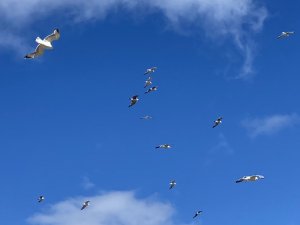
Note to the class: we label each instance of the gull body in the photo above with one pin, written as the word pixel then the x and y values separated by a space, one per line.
pixel 151 89
pixel 172 184
pixel 217 122
pixel 46 43
pixel 150 70
pixel 148 82
pixel 164 146
pixel 146 117
pixel 249 178
pixel 85 204
pixel 197 214
pixel 41 198
pixel 133 100
pixel 285 34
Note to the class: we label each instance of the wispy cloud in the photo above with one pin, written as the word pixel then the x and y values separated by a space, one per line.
pixel 221 147
pixel 271 124
pixel 87 183
pixel 111 208
pixel 234 19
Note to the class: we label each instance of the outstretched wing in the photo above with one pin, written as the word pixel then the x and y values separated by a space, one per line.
pixel 54 36
pixel 38 51
pixel 280 36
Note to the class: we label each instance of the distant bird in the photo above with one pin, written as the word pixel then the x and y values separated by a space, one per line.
pixel 146 117
pixel 150 70
pixel 285 34
pixel 43 44
pixel 151 89
pixel 172 184
pixel 217 122
pixel 85 204
pixel 164 146
pixel 197 214
pixel 250 178
pixel 148 82
pixel 133 100
pixel 41 198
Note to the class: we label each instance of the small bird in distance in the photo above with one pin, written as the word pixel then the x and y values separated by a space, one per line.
pixel 172 184
pixel 85 204
pixel 217 122
pixel 151 89
pixel 285 34
pixel 249 178
pixel 164 146
pixel 146 117
pixel 133 100
pixel 150 70
pixel 197 214
pixel 148 82
pixel 41 198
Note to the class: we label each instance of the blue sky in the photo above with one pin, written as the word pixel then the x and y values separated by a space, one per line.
pixel 67 132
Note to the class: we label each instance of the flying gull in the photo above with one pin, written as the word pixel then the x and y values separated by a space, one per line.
pixel 250 178
pixel 146 117
pixel 151 89
pixel 164 146
pixel 285 34
pixel 197 214
pixel 217 122
pixel 172 184
pixel 133 100
pixel 43 44
pixel 148 82
pixel 150 70
pixel 85 204
pixel 41 198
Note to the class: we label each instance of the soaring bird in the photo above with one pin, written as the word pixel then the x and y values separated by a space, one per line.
pixel 43 44
pixel 285 34
pixel 197 214
pixel 133 100
pixel 217 122
pixel 150 70
pixel 249 178
pixel 148 82
pixel 85 204
pixel 164 146
pixel 151 89
pixel 172 184
pixel 146 117
pixel 41 198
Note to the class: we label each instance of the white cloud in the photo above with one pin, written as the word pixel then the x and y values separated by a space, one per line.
pixel 270 125
pixel 235 19
pixel 87 183
pixel 113 208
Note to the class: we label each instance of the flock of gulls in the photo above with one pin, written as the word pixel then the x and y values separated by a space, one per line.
pixel 46 44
